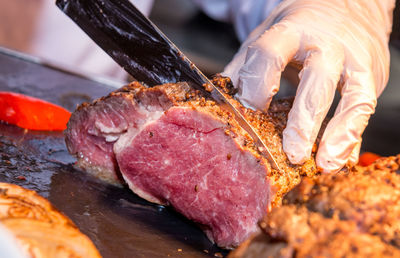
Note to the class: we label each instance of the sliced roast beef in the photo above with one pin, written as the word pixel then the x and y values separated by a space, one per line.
pixel 173 147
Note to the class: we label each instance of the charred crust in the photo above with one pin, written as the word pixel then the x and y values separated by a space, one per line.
pixel 356 204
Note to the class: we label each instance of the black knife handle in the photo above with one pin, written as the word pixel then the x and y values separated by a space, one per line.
pixel 121 30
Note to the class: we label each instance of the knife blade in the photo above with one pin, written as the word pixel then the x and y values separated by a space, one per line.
pixel 136 44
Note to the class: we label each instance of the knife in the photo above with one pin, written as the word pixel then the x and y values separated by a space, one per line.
pixel 136 44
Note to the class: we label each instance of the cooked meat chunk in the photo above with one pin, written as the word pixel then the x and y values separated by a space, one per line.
pixel 354 213
pixel 291 231
pixel 173 147
pixel 369 196
pixel 41 230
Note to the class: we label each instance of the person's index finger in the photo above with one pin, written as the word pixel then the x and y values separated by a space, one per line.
pixel 266 58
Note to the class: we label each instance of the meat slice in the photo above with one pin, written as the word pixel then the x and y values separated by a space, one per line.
pixel 352 214
pixel 94 128
pixel 173 147
pixel 185 159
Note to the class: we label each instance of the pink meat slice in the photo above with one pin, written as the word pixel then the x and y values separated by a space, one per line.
pixel 185 159
pixel 93 129
pixel 91 135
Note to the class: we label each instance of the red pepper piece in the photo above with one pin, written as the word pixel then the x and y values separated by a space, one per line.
pixel 32 113
pixel 367 158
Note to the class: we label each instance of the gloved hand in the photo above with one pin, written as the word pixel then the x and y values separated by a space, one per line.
pixel 340 44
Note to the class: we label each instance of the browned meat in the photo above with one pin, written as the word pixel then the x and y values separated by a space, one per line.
pixel 351 214
pixel 292 231
pixel 368 196
pixel 39 228
pixel 173 147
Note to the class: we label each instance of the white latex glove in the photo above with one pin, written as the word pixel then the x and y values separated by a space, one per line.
pixel 341 44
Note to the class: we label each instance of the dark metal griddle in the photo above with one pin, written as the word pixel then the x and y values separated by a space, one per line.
pixel 119 223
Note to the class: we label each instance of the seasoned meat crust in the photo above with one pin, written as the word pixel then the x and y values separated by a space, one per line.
pixel 369 196
pixel 41 230
pixel 270 126
pixel 173 147
pixel 294 231
pixel 354 213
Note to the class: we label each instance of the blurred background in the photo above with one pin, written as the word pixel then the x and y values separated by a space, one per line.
pixel 208 43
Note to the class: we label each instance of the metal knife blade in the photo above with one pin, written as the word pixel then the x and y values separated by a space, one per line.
pixel 136 44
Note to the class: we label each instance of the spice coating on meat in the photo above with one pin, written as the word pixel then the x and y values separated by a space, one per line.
pixel 369 196
pixel 173 147
pixel 291 231
pixel 352 214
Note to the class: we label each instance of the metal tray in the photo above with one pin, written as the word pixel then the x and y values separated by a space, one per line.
pixel 119 223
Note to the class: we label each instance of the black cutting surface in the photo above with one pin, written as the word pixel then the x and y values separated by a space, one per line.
pixel 118 222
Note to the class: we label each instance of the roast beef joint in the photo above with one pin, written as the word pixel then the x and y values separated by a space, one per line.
pixel 173 147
